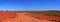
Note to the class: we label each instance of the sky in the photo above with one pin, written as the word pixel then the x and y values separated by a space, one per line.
pixel 36 5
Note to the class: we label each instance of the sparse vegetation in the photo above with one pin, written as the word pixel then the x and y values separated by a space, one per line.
pixel 51 13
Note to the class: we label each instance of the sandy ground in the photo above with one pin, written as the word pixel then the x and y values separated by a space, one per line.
pixel 21 17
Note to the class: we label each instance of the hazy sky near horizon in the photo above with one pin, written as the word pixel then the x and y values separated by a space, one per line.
pixel 29 4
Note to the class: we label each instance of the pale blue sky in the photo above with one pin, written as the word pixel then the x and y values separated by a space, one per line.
pixel 29 4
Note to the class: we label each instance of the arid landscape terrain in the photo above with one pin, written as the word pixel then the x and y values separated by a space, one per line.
pixel 29 16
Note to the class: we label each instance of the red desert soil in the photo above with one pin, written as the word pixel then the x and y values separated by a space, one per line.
pixel 19 17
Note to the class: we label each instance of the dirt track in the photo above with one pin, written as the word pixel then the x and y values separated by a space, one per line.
pixel 23 18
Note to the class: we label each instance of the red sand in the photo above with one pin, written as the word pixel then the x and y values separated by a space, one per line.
pixel 26 17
